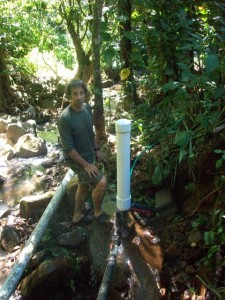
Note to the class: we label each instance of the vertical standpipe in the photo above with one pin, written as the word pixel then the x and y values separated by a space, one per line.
pixel 123 128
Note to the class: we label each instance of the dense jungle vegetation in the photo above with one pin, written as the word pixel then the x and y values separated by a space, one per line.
pixel 169 59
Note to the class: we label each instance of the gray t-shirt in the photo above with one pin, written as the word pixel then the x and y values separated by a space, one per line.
pixel 76 132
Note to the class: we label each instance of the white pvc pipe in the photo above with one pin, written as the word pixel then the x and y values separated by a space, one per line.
pixel 123 128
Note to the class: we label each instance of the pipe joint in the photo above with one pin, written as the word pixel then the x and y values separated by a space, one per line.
pixel 111 258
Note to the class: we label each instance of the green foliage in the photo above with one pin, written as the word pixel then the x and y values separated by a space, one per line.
pixel 219 162
pixel 200 222
pixel 215 237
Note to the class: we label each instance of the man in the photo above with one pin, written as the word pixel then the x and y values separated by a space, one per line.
pixel 80 150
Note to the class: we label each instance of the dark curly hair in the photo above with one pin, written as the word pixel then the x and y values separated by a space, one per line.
pixel 74 84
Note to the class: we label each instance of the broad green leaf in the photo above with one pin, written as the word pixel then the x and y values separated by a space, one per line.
pixel 218 151
pixel 219 92
pixel 182 138
pixel 219 163
pixel 170 86
pixel 209 237
pixel 212 62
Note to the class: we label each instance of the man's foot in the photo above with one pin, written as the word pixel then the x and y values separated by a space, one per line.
pixel 85 220
pixel 102 218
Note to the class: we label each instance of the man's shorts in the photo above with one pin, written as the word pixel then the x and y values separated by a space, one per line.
pixel 83 177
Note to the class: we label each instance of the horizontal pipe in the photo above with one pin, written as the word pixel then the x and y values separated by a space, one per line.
pixel 16 273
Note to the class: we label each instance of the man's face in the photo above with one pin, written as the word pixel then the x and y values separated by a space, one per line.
pixel 77 96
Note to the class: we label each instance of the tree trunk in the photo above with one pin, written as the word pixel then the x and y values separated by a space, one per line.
pixel 7 95
pixel 99 119
pixel 128 86
pixel 85 70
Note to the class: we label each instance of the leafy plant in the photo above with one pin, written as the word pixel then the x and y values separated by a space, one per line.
pixel 220 161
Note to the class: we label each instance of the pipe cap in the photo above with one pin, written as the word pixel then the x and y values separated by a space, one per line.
pixel 123 125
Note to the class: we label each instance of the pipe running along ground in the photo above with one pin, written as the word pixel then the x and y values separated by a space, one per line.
pixel 16 273
pixel 108 275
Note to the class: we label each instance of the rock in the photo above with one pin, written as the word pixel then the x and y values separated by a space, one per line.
pixel 7 152
pixel 72 239
pixel 31 127
pixel 50 276
pixel 107 84
pixel 30 146
pixel 35 204
pixel 4 210
pixel 38 258
pixel 14 132
pixel 163 197
pixel 9 238
pixel 151 252
pixel 48 163
pixel 3 125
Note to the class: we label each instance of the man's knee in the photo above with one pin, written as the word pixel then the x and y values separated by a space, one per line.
pixel 83 188
pixel 102 183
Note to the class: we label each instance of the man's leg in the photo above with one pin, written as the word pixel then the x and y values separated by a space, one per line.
pixel 80 198
pixel 98 194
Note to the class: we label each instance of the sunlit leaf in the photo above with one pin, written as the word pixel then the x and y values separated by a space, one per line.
pixel 124 74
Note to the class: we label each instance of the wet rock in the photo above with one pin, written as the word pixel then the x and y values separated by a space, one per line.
pixel 50 276
pixel 14 132
pixel 60 227
pixel 150 251
pixel 35 205
pixel 30 146
pixel 9 238
pixel 72 239
pixel 131 269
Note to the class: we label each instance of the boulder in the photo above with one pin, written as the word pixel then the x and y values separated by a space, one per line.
pixel 9 238
pixel 50 276
pixel 30 146
pixel 35 204
pixel 14 132
pixel 73 239
pixel 7 152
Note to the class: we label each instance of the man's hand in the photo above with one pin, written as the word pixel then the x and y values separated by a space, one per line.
pixel 92 170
